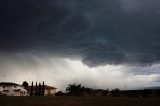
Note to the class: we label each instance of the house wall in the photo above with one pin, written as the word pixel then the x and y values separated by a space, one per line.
pixel 53 91
pixel 8 90
pixel 49 92
pixel 11 90
pixel 17 93
pixel 1 88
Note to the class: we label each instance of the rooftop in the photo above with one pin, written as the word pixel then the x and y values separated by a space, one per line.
pixel 45 86
pixel 8 84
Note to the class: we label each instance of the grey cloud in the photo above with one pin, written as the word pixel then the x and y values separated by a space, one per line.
pixel 100 32
pixel 153 69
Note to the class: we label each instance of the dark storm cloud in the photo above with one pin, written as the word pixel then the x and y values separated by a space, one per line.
pixel 100 32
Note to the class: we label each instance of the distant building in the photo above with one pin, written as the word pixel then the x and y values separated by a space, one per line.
pixel 12 89
pixel 48 90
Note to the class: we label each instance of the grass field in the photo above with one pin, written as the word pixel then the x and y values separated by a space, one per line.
pixel 77 101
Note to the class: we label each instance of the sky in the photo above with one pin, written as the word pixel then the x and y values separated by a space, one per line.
pixel 98 43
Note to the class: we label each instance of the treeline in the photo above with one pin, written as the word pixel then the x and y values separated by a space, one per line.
pixel 79 90
pixel 37 90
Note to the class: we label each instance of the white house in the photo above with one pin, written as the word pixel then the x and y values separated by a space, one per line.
pixel 12 89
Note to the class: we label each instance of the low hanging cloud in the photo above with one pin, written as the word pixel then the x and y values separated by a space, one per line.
pixel 99 32
pixel 60 72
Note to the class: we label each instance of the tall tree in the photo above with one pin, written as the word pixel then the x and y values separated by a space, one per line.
pixel 31 89
pixel 43 89
pixel 39 90
pixel 36 93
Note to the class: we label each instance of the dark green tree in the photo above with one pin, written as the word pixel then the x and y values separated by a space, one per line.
pixel 39 90
pixel 59 93
pixel 116 92
pixel 36 92
pixel 74 90
pixel 31 93
pixel 25 84
pixel 43 89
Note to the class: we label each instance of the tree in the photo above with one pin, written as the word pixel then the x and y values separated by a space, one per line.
pixel 116 92
pixel 75 90
pixel 39 90
pixel 43 89
pixel 59 93
pixel 25 84
pixel 31 89
pixel 36 93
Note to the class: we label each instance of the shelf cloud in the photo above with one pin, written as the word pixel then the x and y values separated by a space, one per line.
pixel 100 32
pixel 96 33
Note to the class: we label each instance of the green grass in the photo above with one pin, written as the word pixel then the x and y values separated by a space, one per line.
pixel 77 101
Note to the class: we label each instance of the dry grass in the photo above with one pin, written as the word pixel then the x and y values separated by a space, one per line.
pixel 77 101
